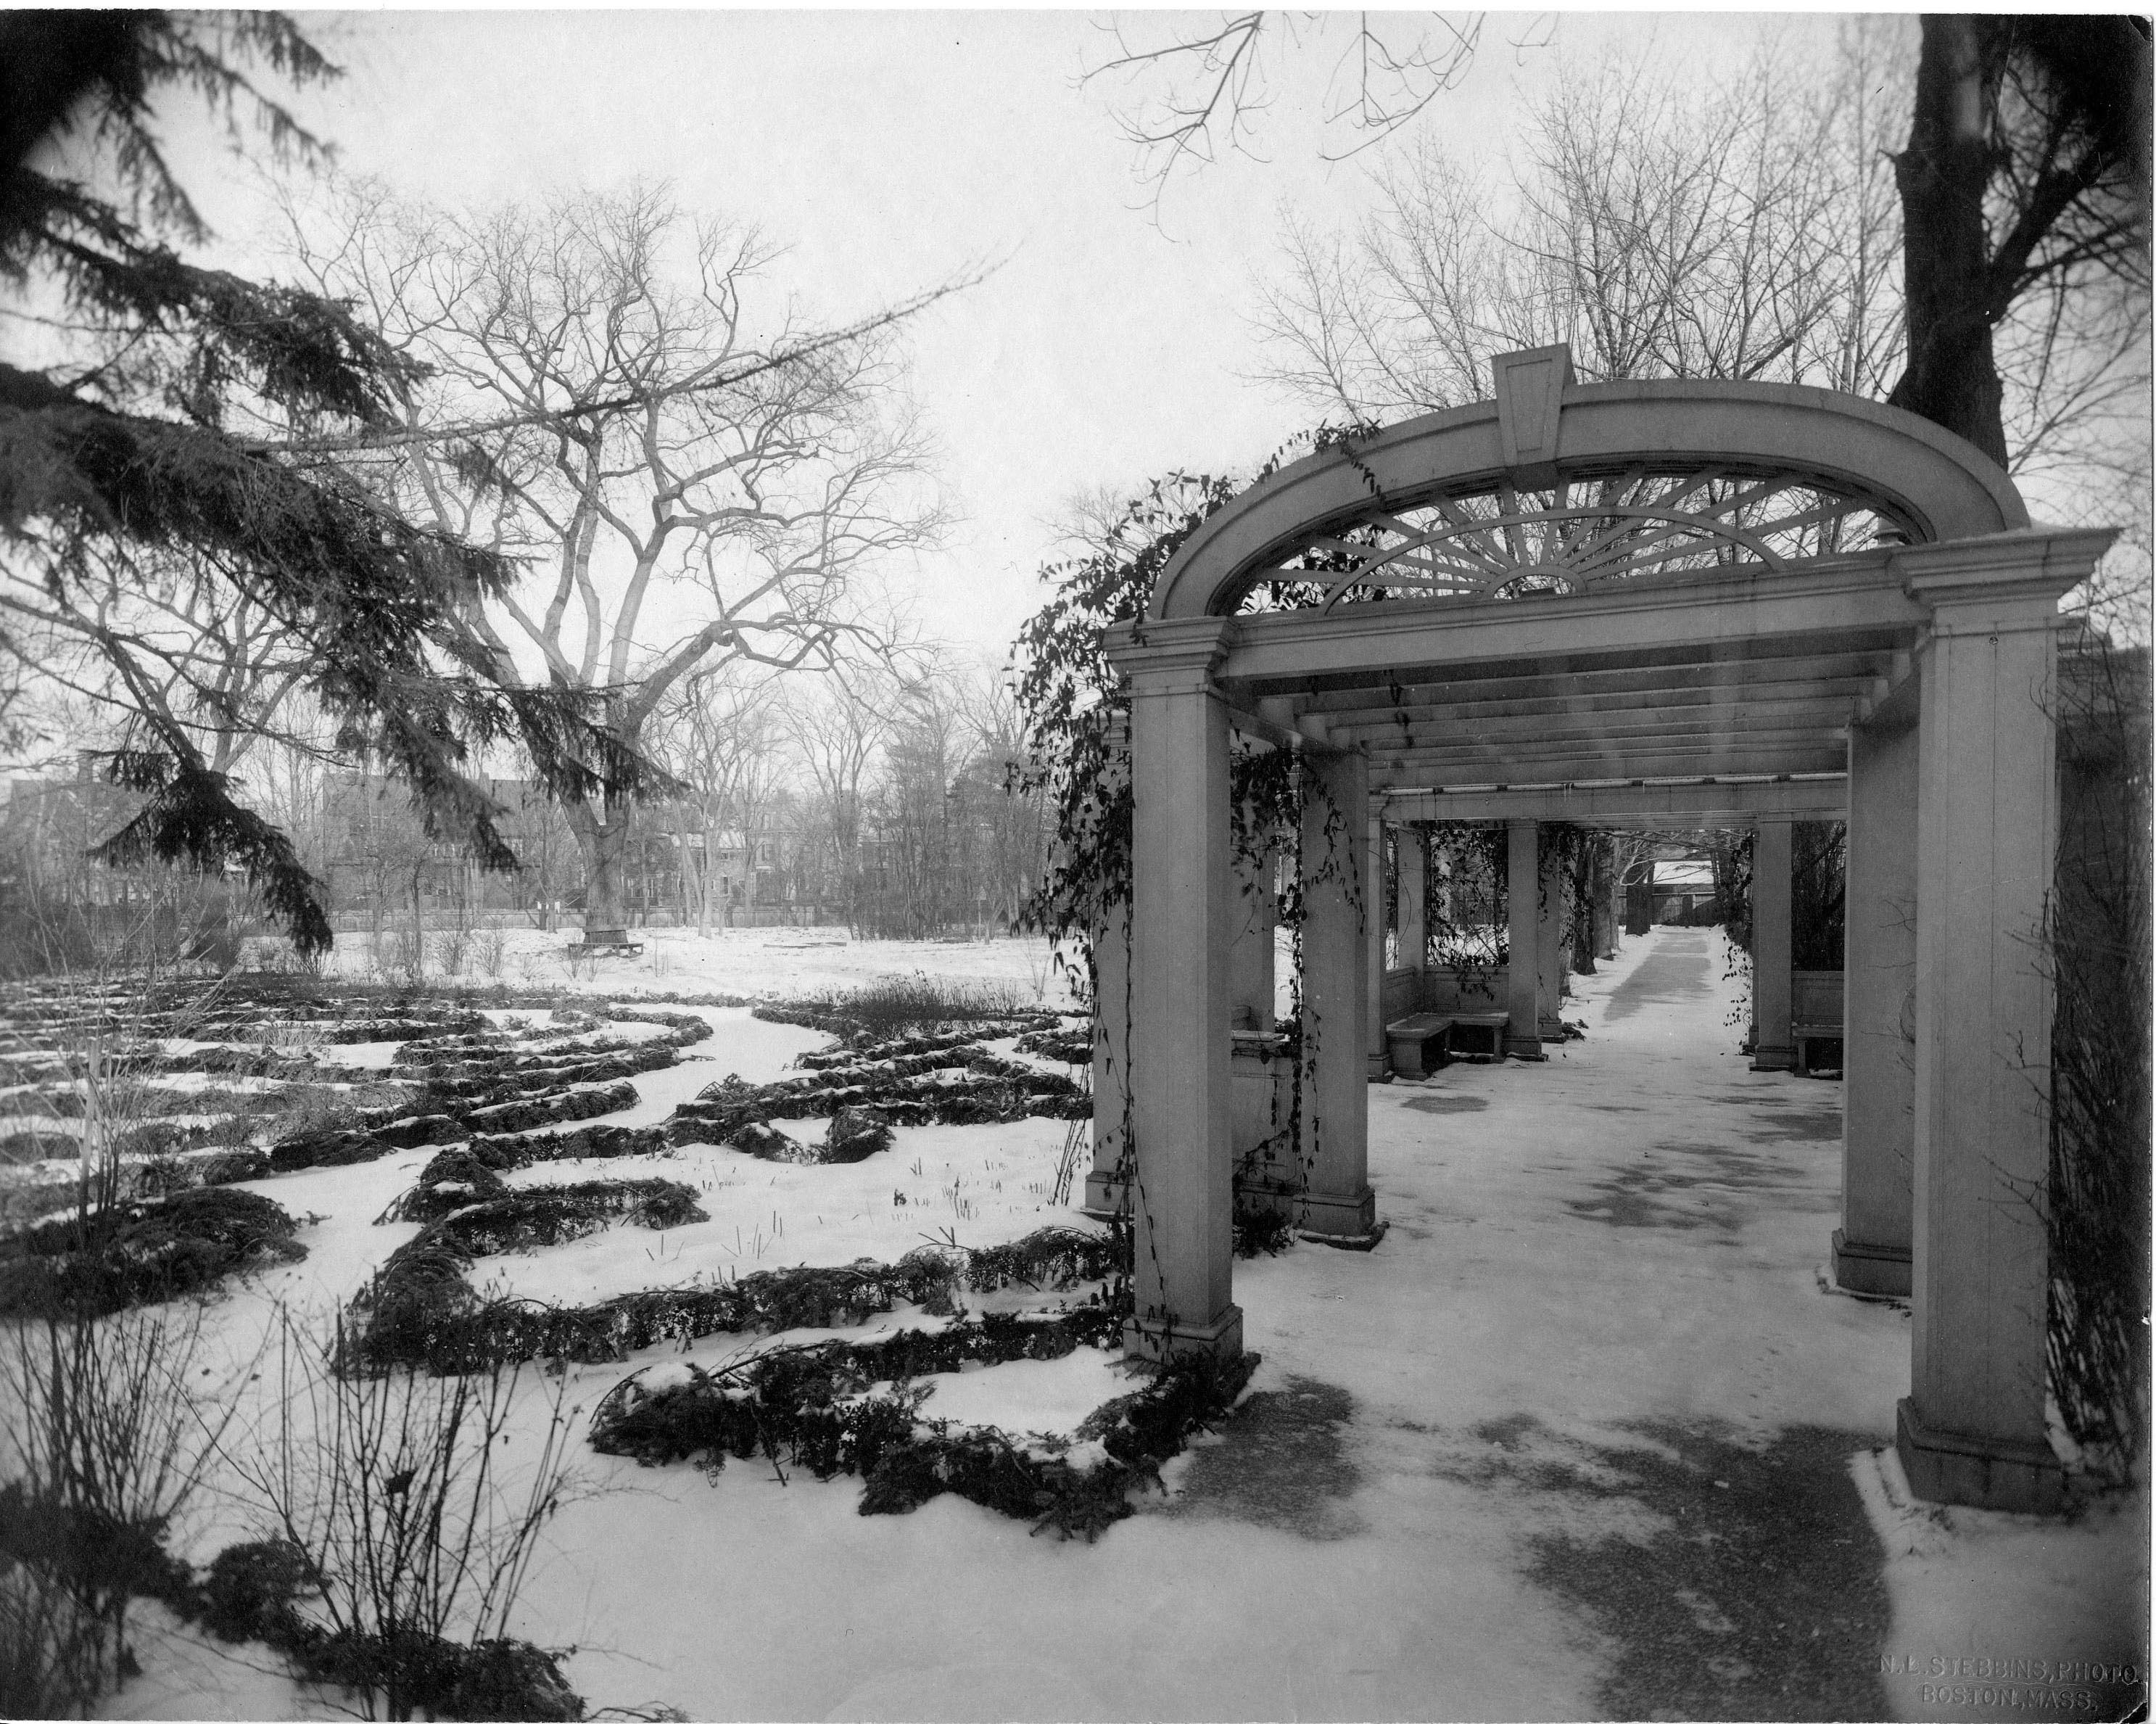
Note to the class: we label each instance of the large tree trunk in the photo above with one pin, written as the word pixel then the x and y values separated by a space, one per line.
pixel 707 871
pixel 602 837
pixel 1951 378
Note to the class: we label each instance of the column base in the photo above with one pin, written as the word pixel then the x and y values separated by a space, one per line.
pixel 1347 1215
pixel 1106 1196
pixel 1774 1058
pixel 1150 1338
pixel 1983 1472
pixel 1883 1271
pixel 1345 1241
pixel 1378 1066
pixel 1524 1047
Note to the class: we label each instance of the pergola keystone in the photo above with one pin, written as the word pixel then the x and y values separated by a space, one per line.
pixel 1641 604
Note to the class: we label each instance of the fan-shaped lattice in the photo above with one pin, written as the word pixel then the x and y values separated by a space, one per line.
pixel 1581 534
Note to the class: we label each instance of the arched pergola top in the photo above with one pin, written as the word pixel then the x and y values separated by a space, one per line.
pixel 1559 487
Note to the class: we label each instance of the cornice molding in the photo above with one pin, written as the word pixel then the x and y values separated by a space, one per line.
pixel 2034 567
pixel 1178 651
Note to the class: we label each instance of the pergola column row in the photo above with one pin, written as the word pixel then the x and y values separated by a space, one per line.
pixel 1947 1010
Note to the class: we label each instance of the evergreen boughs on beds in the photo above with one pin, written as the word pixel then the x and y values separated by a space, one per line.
pixel 836 1407
pixel 422 1313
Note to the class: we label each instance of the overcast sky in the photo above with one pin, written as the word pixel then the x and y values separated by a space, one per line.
pixel 890 150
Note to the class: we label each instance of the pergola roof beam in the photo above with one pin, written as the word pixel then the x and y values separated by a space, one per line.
pixel 1617 750
pixel 1812 611
pixel 1341 712
pixel 1731 664
pixel 1703 803
pixel 1774 760
pixel 1440 729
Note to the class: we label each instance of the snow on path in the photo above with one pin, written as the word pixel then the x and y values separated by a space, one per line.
pixel 1404 1598
pixel 1583 1437
pixel 774 963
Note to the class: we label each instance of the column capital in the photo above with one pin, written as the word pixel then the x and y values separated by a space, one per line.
pixel 1175 655
pixel 2018 577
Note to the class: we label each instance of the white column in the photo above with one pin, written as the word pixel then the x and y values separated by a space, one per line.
pixel 1522 890
pixel 1878 1013
pixel 1377 1053
pixel 1255 912
pixel 1972 1430
pixel 1773 1046
pixel 1180 1075
pixel 1549 943
pixel 1339 912
pixel 1107 1181
pixel 1413 850
pixel 1613 909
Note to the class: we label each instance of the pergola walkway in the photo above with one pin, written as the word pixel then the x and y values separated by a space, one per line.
pixel 1640 604
pixel 1577 1439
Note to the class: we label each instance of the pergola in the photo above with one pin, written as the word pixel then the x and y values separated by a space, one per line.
pixel 1642 604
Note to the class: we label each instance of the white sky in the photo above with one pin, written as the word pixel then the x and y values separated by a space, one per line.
pixel 892 150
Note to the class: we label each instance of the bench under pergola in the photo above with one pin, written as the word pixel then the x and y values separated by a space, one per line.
pixel 1644 604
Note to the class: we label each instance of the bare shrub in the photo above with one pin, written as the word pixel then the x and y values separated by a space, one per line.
pixel 452 946
pixel 400 954
pixel 1077 1148
pixel 415 1506
pixel 108 1439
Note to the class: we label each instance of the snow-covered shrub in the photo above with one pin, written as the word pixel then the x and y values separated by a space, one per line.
pixel 810 1405
pixel 1053 1257
pixel 1074 1047
pixel 420 1313
pixel 141 1253
pixel 895 1004
pixel 532 1216
pixel 453 1180
pixel 917 1090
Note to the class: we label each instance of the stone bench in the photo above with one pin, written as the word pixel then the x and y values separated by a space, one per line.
pixel 1408 1039
pixel 1487 1027
pixel 602 947
pixel 1816 1007
pixel 1807 1037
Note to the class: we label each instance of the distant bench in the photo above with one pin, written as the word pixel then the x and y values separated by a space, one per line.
pixel 1815 1012
pixel 618 946
pixel 1408 1040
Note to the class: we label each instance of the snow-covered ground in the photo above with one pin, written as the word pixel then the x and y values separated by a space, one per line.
pixel 747 961
pixel 1585 1436
pixel 969 1185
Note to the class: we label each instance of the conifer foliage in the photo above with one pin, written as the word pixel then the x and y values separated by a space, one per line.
pixel 163 435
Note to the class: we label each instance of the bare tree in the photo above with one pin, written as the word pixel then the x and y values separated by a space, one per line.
pixel 684 520
pixel 1747 234
pixel 2011 293
pixel 1753 230
pixel 839 725
pixel 721 735
pixel 1012 818
pixel 2026 174
pixel 1194 86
